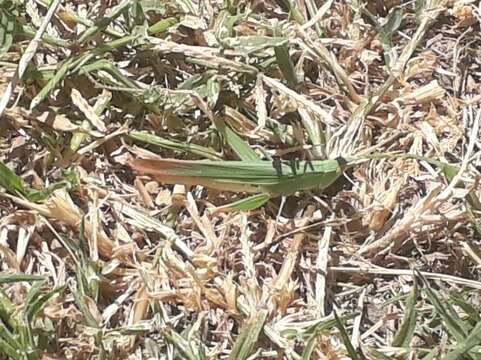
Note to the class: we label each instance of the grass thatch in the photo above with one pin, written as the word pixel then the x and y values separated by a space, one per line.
pixel 285 179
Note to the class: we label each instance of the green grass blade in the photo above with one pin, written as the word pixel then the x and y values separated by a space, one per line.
pixel 462 348
pixel 188 350
pixel 406 331
pixel 110 69
pixel 36 303
pixel 103 23
pixel 53 82
pixel 11 181
pixel 29 32
pixel 250 203
pixel 14 185
pixel 236 143
pixel 309 348
pixel 345 338
pixel 248 336
pixel 7 349
pixel 88 318
pixel 312 10
pixel 387 31
pixel 9 343
pixel 474 316
pixel 162 25
pixel 432 355
pixel 114 44
pixel 8 311
pixel 249 44
pixel 13 278
pixel 450 318
pixel 286 66
pixel 174 145
pixel 7 28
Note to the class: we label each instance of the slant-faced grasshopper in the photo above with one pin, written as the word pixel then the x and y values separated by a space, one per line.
pixel 272 177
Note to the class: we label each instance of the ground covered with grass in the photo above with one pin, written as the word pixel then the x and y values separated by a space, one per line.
pixel 172 184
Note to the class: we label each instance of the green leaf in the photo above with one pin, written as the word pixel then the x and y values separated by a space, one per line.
pixel 250 203
pixel 448 315
pixel 174 145
pixel 474 316
pixel 387 31
pixel 35 303
pixel 345 338
pixel 11 181
pixel 7 28
pixel 52 83
pixel 236 143
pixel 406 331
pixel 248 336
pixel 102 24
pixel 13 278
pixel 162 25
pixel 285 64
pixel 250 44
pixel 472 340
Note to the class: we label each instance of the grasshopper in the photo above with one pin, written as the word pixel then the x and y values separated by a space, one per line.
pixel 275 177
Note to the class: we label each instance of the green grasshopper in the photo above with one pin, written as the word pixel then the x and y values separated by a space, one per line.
pixel 275 177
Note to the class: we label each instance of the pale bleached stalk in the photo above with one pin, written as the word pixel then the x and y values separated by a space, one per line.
pixel 422 213
pixel 321 269
pixel 300 99
pixel 405 272
pixel 27 56
pixel 319 51
pixel 356 121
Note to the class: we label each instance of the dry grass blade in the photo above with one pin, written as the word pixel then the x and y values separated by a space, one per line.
pixel 400 272
pixel 27 56
pixel 248 336
pixel 61 207
pixel 206 56
pixel 321 52
pixel 431 9
pixel 302 100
